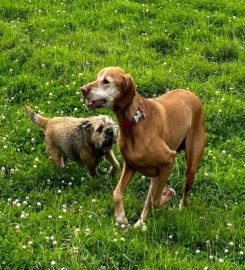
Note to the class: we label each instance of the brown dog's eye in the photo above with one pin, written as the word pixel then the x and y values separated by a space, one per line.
pixel 99 129
pixel 105 81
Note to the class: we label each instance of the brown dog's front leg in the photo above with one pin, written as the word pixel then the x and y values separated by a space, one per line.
pixel 126 176
pixel 111 158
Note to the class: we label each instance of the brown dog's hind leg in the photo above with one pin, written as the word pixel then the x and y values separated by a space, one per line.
pixel 126 176
pixel 194 148
pixel 156 194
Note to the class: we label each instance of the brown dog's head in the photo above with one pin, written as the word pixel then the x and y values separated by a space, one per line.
pixel 113 89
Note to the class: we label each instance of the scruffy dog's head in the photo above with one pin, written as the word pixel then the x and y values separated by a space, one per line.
pixel 102 132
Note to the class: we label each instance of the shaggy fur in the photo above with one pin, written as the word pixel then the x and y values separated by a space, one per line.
pixel 83 140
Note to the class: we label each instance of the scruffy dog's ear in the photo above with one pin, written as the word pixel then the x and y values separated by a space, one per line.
pixel 128 92
pixel 85 125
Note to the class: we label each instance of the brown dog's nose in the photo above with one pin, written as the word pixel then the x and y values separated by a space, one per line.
pixel 84 90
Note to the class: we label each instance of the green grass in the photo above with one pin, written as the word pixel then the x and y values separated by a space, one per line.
pixel 51 48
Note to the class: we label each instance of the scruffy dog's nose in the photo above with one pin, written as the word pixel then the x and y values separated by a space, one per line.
pixel 110 132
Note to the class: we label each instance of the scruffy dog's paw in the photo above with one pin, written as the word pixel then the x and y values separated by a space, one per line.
pixel 167 195
pixel 113 170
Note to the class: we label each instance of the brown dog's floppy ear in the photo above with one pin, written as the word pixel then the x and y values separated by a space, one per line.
pixel 128 93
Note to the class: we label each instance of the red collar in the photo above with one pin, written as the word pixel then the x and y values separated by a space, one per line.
pixel 136 118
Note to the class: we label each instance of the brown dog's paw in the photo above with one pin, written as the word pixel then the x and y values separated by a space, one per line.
pixel 122 222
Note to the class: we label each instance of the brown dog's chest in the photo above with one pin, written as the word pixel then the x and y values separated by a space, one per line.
pixel 143 159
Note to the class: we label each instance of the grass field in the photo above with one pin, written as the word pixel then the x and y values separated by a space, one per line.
pixel 53 219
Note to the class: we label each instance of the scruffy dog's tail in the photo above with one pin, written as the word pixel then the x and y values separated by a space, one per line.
pixel 36 118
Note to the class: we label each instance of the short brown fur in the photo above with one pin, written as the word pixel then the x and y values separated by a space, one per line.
pixel 171 122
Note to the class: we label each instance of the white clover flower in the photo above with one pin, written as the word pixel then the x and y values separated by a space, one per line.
pixel 123 226
pixel 60 216
pixel 221 260
pixel 170 236
pixel 229 225
pixel 198 251
pixel 47 238
pixel 77 93
pixel 18 204
pixel 226 250
pixel 24 246
pixel 93 200
pixel 29 243
pixel 241 252
pixel 59 191
pixel 17 228
pixel 205 268
pixel 49 216
pixel 87 231
pixel 55 242
pixel 24 215
pixel 39 204
pixel 33 140
pixel 74 250
pixel 15 201
pixel 211 257
pixel 53 262
pixel 35 166
pixel 77 231
pixel 231 243
pixel 114 240
pixel 75 109
pixel 25 202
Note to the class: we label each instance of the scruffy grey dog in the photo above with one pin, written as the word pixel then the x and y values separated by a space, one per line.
pixel 84 140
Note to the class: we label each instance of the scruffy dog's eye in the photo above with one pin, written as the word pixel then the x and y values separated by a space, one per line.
pixel 99 129
pixel 105 81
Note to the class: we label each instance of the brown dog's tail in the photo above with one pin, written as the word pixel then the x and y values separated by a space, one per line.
pixel 36 118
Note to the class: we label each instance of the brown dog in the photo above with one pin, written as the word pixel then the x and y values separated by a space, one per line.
pixel 83 140
pixel 152 132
